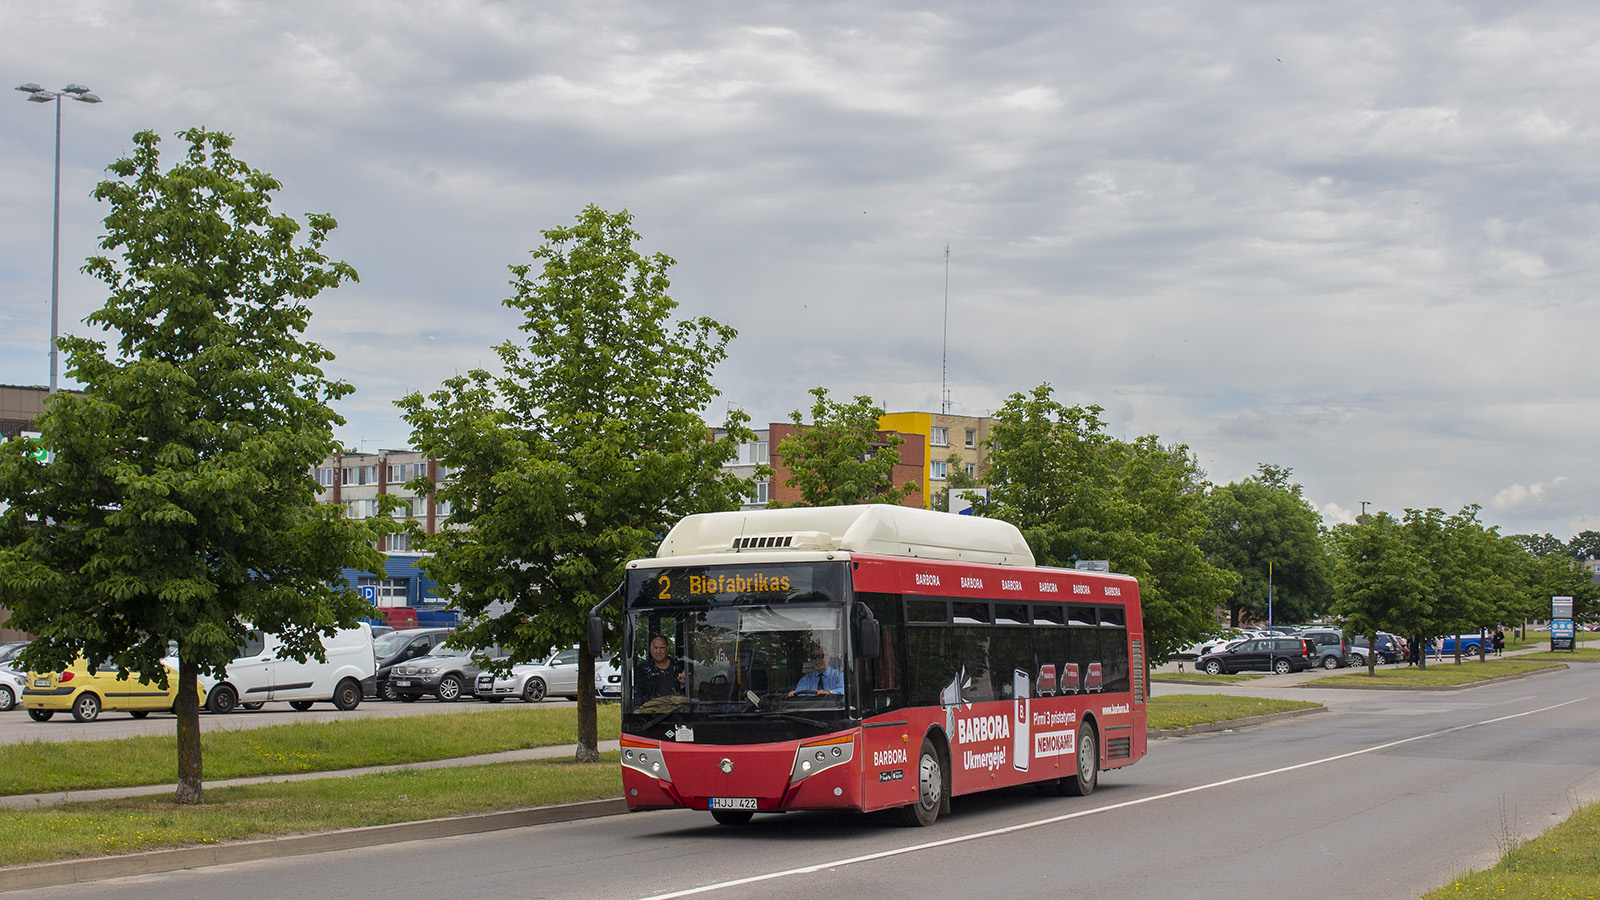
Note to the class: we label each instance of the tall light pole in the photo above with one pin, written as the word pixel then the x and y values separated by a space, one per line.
pixel 38 94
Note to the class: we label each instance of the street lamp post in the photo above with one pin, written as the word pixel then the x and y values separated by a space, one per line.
pixel 38 94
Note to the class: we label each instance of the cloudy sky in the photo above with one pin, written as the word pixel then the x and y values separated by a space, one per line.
pixel 1358 240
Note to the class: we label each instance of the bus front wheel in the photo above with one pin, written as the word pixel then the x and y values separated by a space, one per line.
pixel 1088 758
pixel 732 816
pixel 930 789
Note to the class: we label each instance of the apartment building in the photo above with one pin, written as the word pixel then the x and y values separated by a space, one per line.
pixel 943 436
pixel 912 466
pixel 355 481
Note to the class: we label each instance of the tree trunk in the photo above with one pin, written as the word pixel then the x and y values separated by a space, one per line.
pixel 588 715
pixel 187 708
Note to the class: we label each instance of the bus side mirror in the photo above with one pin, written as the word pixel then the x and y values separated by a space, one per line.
pixel 869 638
pixel 597 635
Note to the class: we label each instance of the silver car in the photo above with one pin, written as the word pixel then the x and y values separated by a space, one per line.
pixel 532 682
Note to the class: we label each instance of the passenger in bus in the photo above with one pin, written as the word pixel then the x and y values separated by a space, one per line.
pixel 822 679
pixel 658 676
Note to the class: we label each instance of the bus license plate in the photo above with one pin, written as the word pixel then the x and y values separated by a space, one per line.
pixel 733 803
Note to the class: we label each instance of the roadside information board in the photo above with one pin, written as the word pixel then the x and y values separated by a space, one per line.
pixel 1562 634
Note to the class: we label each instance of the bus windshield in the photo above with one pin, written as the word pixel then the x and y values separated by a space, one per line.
pixel 738 658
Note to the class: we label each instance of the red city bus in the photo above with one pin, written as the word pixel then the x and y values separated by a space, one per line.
pixel 866 658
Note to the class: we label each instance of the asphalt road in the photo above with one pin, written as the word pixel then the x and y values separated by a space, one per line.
pixel 1387 795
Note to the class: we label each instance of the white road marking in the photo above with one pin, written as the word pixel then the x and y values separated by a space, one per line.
pixel 915 848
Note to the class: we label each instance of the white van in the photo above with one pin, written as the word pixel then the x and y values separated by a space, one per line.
pixel 258 675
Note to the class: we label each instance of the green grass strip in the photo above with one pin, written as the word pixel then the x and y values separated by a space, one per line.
pixel 42 767
pixel 1203 678
pixel 1439 674
pixel 1186 710
pixel 111 827
pixel 1561 864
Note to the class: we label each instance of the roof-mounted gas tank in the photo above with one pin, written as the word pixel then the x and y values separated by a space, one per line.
pixel 871 528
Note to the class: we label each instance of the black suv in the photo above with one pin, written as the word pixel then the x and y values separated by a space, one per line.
pixel 395 648
pixel 1280 654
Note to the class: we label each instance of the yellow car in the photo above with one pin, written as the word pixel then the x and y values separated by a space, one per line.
pixel 86 695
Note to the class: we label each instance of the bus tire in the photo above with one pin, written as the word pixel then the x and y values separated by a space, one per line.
pixel 1088 759
pixel 732 816
pixel 930 789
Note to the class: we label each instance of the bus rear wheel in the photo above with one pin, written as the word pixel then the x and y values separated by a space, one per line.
pixel 930 789
pixel 732 816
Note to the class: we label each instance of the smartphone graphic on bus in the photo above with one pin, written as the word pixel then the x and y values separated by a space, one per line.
pixel 1021 741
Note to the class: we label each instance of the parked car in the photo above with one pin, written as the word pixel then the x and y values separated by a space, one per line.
pixel 1470 643
pixel 87 694
pixel 1331 648
pixel 1390 649
pixel 447 673
pixel 607 678
pixel 396 647
pixel 11 684
pixel 533 682
pixel 9 651
pixel 1281 655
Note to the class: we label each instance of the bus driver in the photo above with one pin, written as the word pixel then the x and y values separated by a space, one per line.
pixel 657 676
pixel 822 679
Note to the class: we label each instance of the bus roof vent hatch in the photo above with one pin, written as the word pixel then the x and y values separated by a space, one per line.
pixel 794 540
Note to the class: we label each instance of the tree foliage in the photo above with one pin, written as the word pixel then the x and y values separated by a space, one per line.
pixel 178 504
pixel 1385 583
pixel 1263 531
pixel 1077 494
pixel 842 458
pixel 582 453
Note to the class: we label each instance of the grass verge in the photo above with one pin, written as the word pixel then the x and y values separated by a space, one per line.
pixel 1202 678
pixel 109 827
pixel 42 767
pixel 1185 710
pixel 1438 674
pixel 1561 864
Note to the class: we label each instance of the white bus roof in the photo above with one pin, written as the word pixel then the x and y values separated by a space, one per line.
pixel 871 528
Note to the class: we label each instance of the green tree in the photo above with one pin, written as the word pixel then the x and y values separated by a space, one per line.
pixel 1261 528
pixel 1385 583
pixel 583 453
pixel 1458 552
pixel 178 504
pixel 842 457
pixel 1077 494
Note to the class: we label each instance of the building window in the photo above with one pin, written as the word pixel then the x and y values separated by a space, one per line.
pixel 360 509
pixel 361 475
pixel 972 438
pixel 938 471
pixel 939 436
pixel 752 453
pixel 762 494
pixel 404 472
pixel 441 508
pixel 406 509
pixel 391 591
pixel 972 468
pixel 397 543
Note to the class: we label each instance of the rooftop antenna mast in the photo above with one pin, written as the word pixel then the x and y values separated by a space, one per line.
pixel 944 361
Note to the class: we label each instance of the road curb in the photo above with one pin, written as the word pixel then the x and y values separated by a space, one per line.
pixel 75 871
